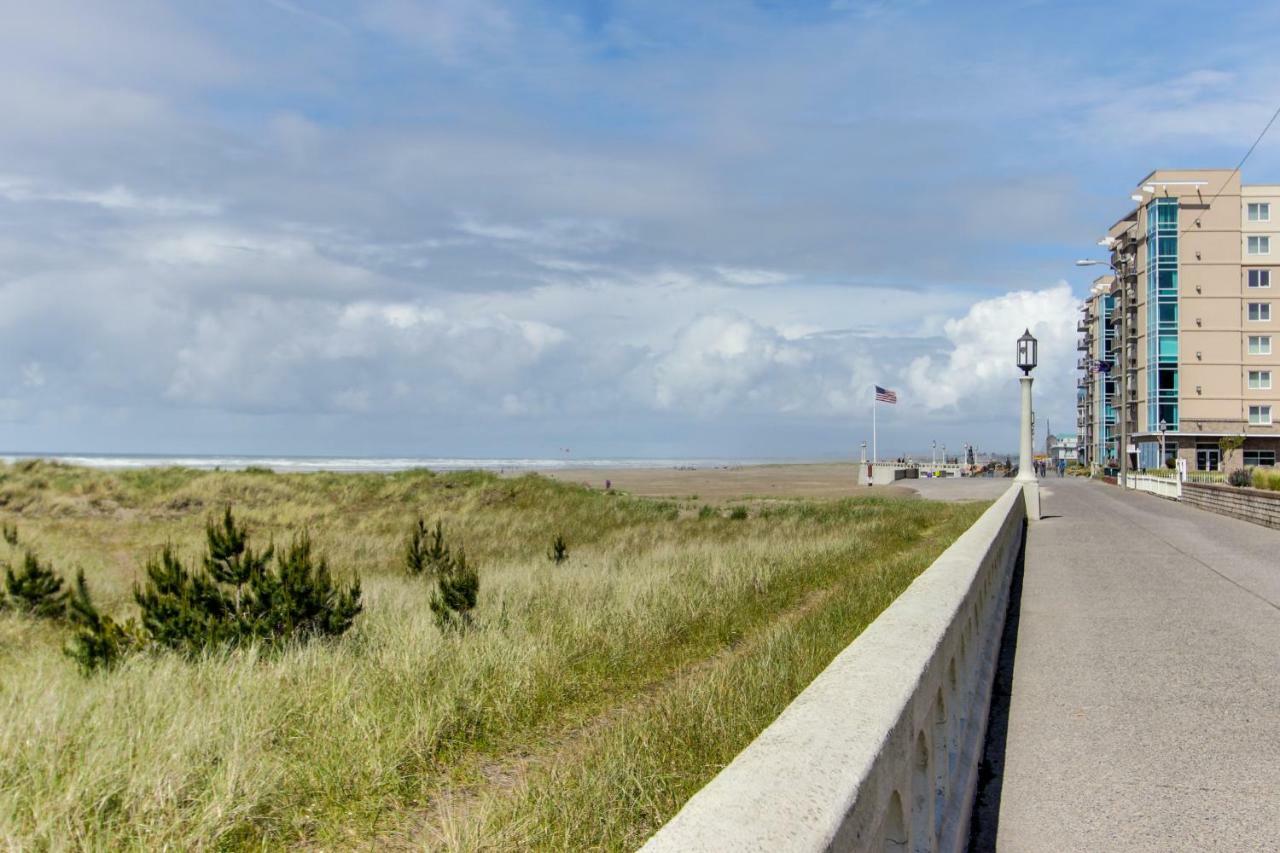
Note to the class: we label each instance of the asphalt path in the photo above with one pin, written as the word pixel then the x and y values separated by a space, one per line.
pixel 1144 703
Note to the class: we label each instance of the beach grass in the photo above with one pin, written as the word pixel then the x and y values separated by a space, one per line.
pixel 589 701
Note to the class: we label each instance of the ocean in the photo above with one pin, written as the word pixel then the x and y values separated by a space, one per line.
pixel 285 464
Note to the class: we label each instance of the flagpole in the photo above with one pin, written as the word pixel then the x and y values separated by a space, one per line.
pixel 875 451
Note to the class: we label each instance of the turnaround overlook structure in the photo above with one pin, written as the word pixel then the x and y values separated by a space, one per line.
pixel 1191 352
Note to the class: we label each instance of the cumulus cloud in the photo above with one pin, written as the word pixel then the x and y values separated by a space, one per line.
pixel 978 363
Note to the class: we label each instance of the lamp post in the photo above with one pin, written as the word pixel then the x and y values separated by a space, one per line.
pixel 934 457
pixel 1120 274
pixel 1028 356
pixel 1164 425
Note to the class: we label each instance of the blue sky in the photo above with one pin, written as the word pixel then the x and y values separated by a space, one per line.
pixel 630 228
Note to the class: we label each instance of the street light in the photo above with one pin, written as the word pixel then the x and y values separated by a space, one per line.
pixel 1164 425
pixel 1028 357
pixel 934 453
pixel 1028 352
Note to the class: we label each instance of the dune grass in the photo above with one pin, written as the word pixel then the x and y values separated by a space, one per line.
pixel 591 699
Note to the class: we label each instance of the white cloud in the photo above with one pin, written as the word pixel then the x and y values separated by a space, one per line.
pixel 980 364
pixel 751 277
pixel 120 198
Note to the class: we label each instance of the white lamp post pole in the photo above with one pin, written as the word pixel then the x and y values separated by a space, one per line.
pixel 1027 358
pixel 1025 474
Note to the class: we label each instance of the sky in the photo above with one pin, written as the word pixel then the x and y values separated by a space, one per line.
pixel 489 228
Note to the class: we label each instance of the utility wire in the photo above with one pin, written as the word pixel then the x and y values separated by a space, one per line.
pixel 1239 165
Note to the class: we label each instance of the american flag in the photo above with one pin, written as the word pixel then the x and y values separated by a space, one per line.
pixel 884 395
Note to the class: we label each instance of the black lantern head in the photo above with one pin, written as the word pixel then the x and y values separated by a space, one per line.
pixel 1027 352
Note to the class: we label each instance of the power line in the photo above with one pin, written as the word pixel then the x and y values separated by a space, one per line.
pixel 1239 165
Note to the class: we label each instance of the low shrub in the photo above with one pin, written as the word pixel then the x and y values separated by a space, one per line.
pixel 738 513
pixel 421 556
pixel 708 511
pixel 35 590
pixel 10 533
pixel 1240 477
pixel 235 597
pixel 1266 478
pixel 99 642
pixel 559 550
pixel 457 588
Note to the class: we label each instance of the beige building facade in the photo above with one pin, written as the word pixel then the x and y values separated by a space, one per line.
pixel 1200 256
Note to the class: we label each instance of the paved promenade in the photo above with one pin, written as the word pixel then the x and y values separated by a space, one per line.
pixel 1144 711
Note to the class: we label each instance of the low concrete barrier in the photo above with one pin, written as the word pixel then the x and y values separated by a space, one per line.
pixel 881 751
pixel 885 473
pixel 1257 505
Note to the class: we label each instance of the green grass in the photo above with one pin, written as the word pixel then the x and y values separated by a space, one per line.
pixel 591 700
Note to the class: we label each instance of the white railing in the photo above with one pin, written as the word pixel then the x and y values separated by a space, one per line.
pixel 881 751
pixel 1206 477
pixel 1165 487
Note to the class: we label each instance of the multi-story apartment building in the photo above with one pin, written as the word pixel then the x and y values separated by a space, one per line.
pixel 1200 351
pixel 1096 389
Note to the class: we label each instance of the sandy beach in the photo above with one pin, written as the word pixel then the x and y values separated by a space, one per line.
pixel 818 480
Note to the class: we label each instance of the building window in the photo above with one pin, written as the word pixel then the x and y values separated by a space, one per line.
pixel 1259 345
pixel 1259 380
pixel 1264 458
pixel 1259 278
pixel 1260 415
pixel 1259 244
pixel 1259 312
pixel 1259 211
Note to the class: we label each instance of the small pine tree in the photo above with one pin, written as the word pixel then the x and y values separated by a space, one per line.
pixel 421 557
pixel 99 641
pixel 36 590
pixel 183 610
pixel 300 598
pixel 10 532
pixel 559 550
pixel 457 588
pixel 238 596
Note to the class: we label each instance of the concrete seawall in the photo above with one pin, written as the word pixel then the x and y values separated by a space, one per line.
pixel 881 751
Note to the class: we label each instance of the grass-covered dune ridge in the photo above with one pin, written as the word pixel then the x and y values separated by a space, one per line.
pixel 588 701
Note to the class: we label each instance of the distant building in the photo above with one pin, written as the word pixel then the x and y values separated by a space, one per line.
pixel 1060 447
pixel 1198 254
